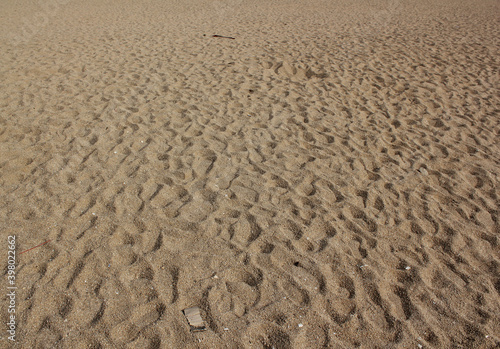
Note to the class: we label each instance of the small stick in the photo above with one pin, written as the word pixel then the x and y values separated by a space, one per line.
pixel 220 36
pixel 43 243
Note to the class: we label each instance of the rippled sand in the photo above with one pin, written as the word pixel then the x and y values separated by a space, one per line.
pixel 327 179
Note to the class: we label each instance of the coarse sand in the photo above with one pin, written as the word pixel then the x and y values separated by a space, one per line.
pixel 329 178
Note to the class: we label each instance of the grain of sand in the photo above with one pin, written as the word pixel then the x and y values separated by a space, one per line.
pixel 327 179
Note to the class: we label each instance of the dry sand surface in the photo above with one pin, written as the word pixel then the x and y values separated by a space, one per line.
pixel 327 179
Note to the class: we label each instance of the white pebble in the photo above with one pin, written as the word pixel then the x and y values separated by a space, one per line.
pixel 300 325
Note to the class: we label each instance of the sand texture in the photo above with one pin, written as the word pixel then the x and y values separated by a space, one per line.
pixel 327 179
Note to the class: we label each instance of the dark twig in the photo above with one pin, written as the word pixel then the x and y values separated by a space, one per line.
pixel 221 36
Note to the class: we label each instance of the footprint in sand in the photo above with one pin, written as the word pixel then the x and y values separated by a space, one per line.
pixel 286 69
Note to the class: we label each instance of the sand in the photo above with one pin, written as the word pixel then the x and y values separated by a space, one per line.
pixel 327 179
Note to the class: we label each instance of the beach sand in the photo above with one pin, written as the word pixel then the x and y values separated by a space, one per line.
pixel 329 178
